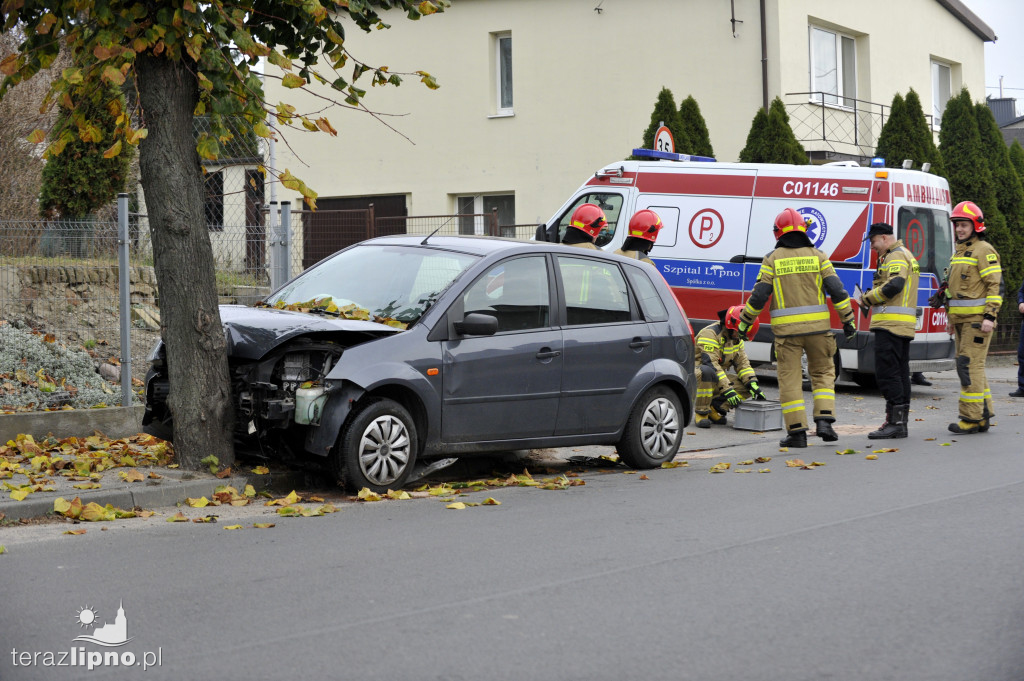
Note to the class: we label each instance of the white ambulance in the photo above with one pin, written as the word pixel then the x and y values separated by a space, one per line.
pixel 718 227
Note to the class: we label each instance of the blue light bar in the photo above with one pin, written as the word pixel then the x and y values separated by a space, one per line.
pixel 669 156
pixel 878 162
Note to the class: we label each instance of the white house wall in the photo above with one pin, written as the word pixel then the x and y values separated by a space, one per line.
pixel 585 83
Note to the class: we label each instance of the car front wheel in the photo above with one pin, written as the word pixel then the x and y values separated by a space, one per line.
pixel 654 430
pixel 377 448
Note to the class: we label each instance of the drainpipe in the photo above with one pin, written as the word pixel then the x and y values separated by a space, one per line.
pixel 764 59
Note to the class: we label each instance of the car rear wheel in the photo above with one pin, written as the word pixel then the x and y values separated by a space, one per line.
pixel 654 430
pixel 377 447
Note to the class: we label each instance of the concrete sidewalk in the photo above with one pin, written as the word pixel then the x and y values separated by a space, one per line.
pixel 859 411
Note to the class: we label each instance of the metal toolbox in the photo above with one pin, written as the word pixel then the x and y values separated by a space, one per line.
pixel 758 415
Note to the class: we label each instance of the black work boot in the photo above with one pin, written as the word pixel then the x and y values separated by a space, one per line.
pixel 825 431
pixel 796 438
pixel 895 425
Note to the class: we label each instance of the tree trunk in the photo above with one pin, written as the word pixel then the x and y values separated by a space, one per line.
pixel 200 395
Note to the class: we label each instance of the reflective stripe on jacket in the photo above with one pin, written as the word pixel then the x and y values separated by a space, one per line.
pixel 796 279
pixel 722 354
pixel 895 312
pixel 975 282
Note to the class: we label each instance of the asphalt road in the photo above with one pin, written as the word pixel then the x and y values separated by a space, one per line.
pixel 907 567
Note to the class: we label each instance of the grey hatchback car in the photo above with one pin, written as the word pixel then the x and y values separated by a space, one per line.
pixel 400 351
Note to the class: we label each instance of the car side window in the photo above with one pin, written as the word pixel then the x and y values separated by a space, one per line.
pixel 514 291
pixel 595 292
pixel 650 301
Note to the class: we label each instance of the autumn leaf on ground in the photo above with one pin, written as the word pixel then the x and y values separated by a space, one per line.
pixel 644 477
pixel 945 444
pixel 226 473
pixel 232 527
pixel 720 467
pixel 178 517
pixel 366 494
pixel 764 470
pixel 153 475
pixel 19 495
pixel 817 463
pixel 205 519
pixel 629 472
pixel 285 501
pixel 675 464
pixel 249 491
pixel 197 503
pixel 795 463
pixel 401 495
pixel 783 449
pixel 147 514
pixel 133 475
pixel 261 470
pixel 328 508
pixel 871 457
pixel 3 549
pixel 491 501
pixel 263 526
pixel 887 449
pixel 762 459
pixel 458 506
pixel 744 470
pixel 748 462
pixel 212 461
pixel 81 531
pixel 842 452
pixel 87 485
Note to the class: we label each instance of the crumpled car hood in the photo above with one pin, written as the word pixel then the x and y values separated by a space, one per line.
pixel 252 332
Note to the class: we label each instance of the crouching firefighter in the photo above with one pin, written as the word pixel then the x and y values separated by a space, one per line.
pixel 720 348
pixel 795 277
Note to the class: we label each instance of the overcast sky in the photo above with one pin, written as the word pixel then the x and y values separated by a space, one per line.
pixel 1005 57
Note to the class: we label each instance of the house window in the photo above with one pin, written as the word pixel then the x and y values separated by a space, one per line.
pixel 214 202
pixel 475 211
pixel 833 68
pixel 941 87
pixel 503 74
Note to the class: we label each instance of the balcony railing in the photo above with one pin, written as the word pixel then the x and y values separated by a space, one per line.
pixel 835 126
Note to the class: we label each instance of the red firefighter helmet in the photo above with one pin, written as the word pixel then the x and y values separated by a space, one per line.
pixel 588 218
pixel 787 221
pixel 645 225
pixel 968 210
pixel 732 321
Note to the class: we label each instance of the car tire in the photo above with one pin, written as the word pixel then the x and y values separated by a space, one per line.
pixel 653 431
pixel 377 447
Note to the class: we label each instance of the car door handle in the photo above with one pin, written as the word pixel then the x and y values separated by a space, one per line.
pixel 639 343
pixel 548 353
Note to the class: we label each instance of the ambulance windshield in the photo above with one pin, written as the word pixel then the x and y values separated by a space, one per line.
pixel 928 234
pixel 610 203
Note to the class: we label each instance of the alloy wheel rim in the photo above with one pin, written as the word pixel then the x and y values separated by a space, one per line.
pixel 659 428
pixel 384 450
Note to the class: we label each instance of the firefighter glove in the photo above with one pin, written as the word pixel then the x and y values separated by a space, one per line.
pixel 755 391
pixel 732 397
pixel 849 330
pixel 742 328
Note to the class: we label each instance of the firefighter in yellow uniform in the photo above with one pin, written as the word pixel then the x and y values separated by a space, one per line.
pixel 643 232
pixel 973 296
pixel 892 303
pixel 586 223
pixel 795 277
pixel 720 348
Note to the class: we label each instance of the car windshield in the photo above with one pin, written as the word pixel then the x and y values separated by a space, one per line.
pixel 390 284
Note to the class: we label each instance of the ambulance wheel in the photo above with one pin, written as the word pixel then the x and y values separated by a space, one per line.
pixel 653 431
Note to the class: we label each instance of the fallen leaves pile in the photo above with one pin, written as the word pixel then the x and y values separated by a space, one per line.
pixel 27 466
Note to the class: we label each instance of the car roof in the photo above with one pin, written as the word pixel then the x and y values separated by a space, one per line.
pixel 481 245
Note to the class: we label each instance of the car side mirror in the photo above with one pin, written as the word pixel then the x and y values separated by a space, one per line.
pixel 477 324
